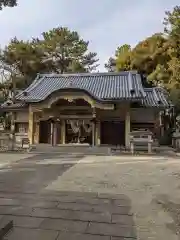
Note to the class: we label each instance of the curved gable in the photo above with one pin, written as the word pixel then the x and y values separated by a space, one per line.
pixel 73 96
pixel 101 86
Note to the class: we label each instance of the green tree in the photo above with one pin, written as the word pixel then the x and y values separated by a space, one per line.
pixel 110 65
pixel 150 57
pixel 7 3
pixel 121 60
pixel 172 25
pixel 60 51
pixel 24 60
pixel 172 29
pixel 157 57
pixel 67 52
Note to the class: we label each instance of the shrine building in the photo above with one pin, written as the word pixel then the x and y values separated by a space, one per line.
pixel 88 108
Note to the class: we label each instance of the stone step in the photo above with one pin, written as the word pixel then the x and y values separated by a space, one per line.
pixel 42 148
pixel 101 150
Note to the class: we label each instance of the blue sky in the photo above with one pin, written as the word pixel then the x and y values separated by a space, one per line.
pixel 107 24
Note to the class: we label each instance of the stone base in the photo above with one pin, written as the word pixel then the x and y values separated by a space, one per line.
pixel 74 144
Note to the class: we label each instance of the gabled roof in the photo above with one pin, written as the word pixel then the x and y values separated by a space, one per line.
pixel 101 86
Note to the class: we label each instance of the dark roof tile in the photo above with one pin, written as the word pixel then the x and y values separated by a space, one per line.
pixel 156 97
pixel 102 86
pixel 7 105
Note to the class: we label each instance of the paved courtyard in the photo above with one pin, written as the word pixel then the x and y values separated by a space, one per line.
pixel 71 196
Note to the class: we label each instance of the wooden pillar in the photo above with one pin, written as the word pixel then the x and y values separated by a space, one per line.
pixel 149 144
pixel 98 134
pixel 36 128
pixel 52 134
pixel 63 131
pixel 13 133
pixel 93 133
pixel 93 126
pixel 160 125
pixel 55 134
pixel 127 128
pixel 36 134
pixel 31 126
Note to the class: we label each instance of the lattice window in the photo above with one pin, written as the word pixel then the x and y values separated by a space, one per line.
pixel 22 127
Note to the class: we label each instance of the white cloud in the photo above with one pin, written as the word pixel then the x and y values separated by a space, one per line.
pixel 105 23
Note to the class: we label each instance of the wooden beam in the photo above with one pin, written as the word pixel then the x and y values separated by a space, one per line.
pixel 31 126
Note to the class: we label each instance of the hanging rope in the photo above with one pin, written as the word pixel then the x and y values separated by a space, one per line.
pixel 74 125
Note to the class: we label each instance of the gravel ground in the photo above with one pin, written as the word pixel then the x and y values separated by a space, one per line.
pixel 152 185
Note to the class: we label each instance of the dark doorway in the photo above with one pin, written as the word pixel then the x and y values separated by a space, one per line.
pixel 44 132
pixel 113 133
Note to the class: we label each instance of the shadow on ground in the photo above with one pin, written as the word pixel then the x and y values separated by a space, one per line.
pixel 32 174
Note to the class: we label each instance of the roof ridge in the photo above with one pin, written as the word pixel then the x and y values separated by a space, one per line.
pixel 155 95
pixel 139 80
pixel 148 89
pixel 131 88
pixel 161 89
pixel 36 82
pixel 88 74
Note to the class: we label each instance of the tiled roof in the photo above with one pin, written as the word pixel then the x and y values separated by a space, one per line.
pixel 156 97
pixel 101 86
pixel 9 105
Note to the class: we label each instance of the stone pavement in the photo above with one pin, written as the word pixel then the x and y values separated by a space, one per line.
pixel 71 196
pixel 10 158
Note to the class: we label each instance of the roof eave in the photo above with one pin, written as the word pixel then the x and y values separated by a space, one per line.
pixel 13 109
